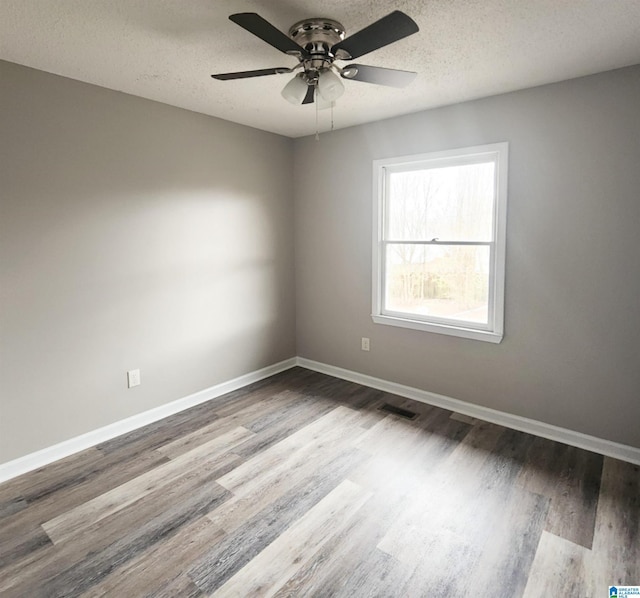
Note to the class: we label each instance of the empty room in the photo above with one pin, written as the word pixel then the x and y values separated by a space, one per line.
pixel 304 299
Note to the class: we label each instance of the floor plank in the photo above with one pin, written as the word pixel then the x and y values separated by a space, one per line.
pixel 570 478
pixel 22 534
pixel 78 575
pixel 141 576
pixel 271 569
pixel 616 540
pixel 349 564
pixel 560 568
pixel 266 477
pixel 220 562
pixel 102 506
pixel 38 567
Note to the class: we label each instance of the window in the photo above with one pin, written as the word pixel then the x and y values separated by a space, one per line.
pixel 439 242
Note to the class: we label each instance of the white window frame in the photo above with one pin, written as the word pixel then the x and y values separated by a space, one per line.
pixel 493 331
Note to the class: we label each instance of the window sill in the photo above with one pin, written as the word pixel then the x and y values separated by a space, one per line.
pixel 478 335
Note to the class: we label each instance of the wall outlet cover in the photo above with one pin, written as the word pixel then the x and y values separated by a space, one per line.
pixel 133 378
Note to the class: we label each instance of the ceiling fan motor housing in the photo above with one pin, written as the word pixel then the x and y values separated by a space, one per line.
pixel 317 36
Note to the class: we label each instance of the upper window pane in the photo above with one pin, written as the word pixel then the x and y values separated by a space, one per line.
pixel 449 203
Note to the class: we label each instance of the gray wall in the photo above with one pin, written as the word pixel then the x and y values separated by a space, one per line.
pixel 132 235
pixel 571 351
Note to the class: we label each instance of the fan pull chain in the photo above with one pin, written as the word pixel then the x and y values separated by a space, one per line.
pixel 332 105
pixel 317 121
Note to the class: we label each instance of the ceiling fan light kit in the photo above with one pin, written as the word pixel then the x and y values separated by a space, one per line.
pixel 330 87
pixel 317 43
pixel 296 90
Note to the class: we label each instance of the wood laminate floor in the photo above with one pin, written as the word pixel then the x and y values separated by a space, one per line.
pixel 300 485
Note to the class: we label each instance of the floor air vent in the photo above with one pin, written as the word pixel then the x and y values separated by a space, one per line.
pixel 398 411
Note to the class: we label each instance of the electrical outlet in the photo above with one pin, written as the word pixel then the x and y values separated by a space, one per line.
pixel 365 344
pixel 133 378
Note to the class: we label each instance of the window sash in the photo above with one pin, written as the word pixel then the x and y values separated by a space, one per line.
pixel 456 322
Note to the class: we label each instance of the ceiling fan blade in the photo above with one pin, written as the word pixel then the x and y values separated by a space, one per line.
pixel 308 99
pixel 387 30
pixel 247 74
pixel 378 75
pixel 261 28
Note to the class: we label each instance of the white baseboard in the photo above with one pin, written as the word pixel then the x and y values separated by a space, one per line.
pixel 516 422
pixel 43 457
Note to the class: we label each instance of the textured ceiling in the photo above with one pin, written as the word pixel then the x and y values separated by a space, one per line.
pixel 165 50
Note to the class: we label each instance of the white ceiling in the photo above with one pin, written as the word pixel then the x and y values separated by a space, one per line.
pixel 166 50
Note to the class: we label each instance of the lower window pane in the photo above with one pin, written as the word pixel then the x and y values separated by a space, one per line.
pixel 439 281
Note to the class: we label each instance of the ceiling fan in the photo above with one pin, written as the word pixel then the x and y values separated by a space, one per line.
pixel 317 43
